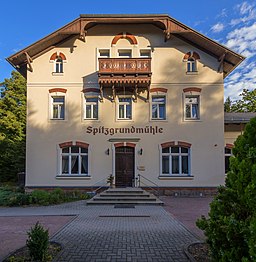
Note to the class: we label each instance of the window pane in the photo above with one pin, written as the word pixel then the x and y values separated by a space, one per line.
pixel 175 164
pixel 227 150
pixel 188 112
pixel 74 164
pixel 84 164
pixel 58 99
pixel 95 111
pixel 162 111
pixel 65 165
pixel 74 149
pixel 159 99
pixel 227 163
pixel 84 150
pixel 128 111
pixel 165 164
pixel 121 111
pixel 65 150
pixel 62 111
pixel 166 150
pixel 195 111
pixel 88 112
pixel 184 164
pixel 154 111
pixel 175 149
pixel 184 150
pixel 55 111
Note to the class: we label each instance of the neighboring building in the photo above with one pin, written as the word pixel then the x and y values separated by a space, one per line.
pixel 234 126
pixel 125 95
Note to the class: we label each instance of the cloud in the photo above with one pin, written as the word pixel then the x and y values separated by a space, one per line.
pixel 248 13
pixel 245 7
pixel 223 13
pixel 217 27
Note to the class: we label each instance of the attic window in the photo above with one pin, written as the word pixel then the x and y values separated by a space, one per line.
pixel 191 59
pixel 58 59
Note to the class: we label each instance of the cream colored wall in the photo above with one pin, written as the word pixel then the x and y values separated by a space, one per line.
pixel 168 71
pixel 232 131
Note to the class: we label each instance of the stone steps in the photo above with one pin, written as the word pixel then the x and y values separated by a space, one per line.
pixel 126 196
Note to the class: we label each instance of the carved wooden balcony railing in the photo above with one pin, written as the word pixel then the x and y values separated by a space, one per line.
pixel 130 74
pixel 124 66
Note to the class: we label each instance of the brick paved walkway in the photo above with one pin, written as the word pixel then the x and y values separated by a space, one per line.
pixel 105 233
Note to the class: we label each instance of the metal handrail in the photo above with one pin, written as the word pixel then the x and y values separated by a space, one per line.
pixel 99 187
pixel 150 187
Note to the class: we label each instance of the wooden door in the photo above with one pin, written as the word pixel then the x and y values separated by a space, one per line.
pixel 124 166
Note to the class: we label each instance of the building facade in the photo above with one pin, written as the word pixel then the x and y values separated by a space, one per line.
pixel 128 96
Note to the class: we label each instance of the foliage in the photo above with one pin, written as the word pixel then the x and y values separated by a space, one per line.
pixel 38 242
pixel 247 103
pixel 10 196
pixel 12 126
pixel 231 226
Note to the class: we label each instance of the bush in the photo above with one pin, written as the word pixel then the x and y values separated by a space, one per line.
pixel 39 197
pixel 231 227
pixel 38 242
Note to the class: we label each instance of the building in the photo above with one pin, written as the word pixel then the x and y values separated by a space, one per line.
pixel 126 95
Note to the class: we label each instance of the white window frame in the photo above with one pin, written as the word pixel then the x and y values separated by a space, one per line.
pixel 157 103
pixel 191 65
pixel 124 50
pixel 188 95
pixel 148 50
pixel 69 154
pixel 125 105
pixel 52 103
pixel 98 55
pixel 179 154
pixel 92 107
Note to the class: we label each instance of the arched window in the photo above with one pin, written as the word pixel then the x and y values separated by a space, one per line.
pixel 191 65
pixel 58 59
pixel 74 159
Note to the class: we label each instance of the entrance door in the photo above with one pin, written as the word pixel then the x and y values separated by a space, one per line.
pixel 124 166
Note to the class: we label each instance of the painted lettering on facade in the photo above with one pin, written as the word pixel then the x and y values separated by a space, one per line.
pixel 153 130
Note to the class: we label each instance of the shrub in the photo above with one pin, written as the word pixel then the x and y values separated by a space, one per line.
pixel 231 226
pixel 38 242
pixel 39 197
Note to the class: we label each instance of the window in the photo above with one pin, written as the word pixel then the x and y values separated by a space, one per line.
pixel 191 65
pixel 104 53
pixel 58 65
pixel 145 53
pixel 158 107
pixel 91 108
pixel 125 53
pixel 191 106
pixel 124 108
pixel 175 161
pixel 58 107
pixel 228 154
pixel 74 161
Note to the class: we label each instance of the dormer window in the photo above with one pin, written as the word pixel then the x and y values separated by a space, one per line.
pixel 58 59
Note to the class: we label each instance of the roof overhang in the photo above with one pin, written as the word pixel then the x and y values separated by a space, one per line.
pixel 238 118
pixel 228 59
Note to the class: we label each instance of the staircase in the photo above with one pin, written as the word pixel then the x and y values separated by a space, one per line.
pixel 124 196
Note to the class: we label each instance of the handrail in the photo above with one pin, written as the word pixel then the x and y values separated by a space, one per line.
pixel 150 187
pixel 99 187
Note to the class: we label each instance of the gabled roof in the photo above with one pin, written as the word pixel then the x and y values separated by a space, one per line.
pixel 238 118
pixel 228 59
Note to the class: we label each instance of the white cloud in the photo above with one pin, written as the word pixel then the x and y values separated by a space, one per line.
pixel 249 13
pixel 245 8
pixel 223 13
pixel 234 77
pixel 217 27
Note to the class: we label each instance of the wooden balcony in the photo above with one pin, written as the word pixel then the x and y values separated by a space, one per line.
pixel 125 66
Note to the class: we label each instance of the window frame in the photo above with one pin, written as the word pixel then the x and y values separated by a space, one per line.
pixel 227 156
pixel 79 155
pixel 99 56
pixel 158 111
pixel 52 103
pixel 191 118
pixel 124 50
pixel 145 50
pixel 191 65
pixel 124 103
pixel 170 154
pixel 85 103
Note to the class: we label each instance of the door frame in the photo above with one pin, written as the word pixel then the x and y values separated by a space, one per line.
pixel 114 145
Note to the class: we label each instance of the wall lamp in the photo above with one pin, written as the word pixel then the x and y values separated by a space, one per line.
pixel 140 151
pixel 107 151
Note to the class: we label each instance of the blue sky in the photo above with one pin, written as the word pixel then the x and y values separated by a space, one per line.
pixel 230 22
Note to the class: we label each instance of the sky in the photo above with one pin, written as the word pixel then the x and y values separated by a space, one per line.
pixel 232 23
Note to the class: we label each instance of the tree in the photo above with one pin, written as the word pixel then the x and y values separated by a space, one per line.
pixel 247 103
pixel 12 127
pixel 231 226
pixel 227 105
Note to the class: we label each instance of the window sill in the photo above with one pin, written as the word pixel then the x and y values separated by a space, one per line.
pixel 192 120
pixel 176 177
pixel 192 73
pixel 73 177
pixel 57 74
pixel 158 120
